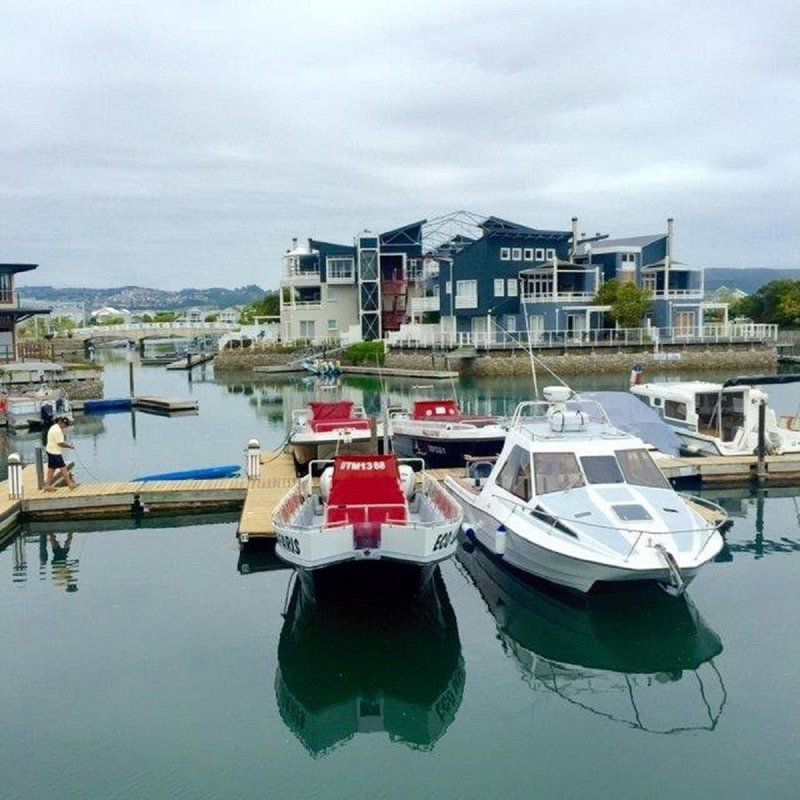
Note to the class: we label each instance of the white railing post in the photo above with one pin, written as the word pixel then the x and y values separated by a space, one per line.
pixel 253 460
pixel 15 485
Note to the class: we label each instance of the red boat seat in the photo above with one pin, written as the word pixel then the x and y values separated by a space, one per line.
pixel 436 409
pixel 331 416
pixel 365 492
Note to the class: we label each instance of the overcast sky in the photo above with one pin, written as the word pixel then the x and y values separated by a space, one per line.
pixel 174 143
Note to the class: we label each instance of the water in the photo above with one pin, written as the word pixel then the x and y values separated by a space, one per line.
pixel 156 661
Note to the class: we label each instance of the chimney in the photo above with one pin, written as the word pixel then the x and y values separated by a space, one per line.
pixel 294 243
pixel 670 234
pixel 574 235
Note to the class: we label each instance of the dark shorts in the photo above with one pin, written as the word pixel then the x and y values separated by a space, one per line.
pixel 55 462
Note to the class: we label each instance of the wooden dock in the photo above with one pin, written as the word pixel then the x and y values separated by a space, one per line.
pixel 191 361
pixel 256 500
pixel 165 405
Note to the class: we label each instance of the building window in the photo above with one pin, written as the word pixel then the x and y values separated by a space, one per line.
pixel 516 254
pixel 331 293
pixel 511 323
pixel 333 325
pixel 499 287
pixel 550 254
pixel 512 287
pixel 340 268
pixel 628 258
pixel 539 254
pixel 505 254
pixel 649 282
pixel 448 288
pixel 466 294
pixel 528 254
pixel 307 329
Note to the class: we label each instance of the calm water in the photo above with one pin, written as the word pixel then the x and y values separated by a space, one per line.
pixel 156 660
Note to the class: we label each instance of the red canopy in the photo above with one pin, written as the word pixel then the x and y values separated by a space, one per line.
pixel 436 409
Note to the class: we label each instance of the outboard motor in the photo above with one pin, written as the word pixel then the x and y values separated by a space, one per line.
pixel 47 414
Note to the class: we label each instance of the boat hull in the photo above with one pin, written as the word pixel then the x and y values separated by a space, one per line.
pixel 440 452
pixel 581 575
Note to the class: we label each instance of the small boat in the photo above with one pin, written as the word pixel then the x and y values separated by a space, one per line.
pixel 580 503
pixel 202 474
pixel 322 367
pixel 366 507
pixel 438 432
pixel 722 419
pixel 107 404
pixel 324 429
pixel 35 410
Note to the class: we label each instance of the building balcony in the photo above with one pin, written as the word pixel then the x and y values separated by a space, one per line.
pixel 295 277
pixel 340 278
pixel 557 297
pixel 466 301
pixel 677 294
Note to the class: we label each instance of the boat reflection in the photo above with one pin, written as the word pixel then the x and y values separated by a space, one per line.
pixel 376 660
pixel 641 658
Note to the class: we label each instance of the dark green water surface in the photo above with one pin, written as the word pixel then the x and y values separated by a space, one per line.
pixel 154 659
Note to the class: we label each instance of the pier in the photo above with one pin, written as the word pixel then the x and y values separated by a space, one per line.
pixel 255 498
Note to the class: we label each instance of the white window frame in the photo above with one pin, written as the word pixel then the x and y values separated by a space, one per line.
pixel 539 254
pixel 505 254
pixel 527 254
pixel 499 287
pixel 550 254
pixel 333 325
pixel 448 288
pixel 512 287
pixel 340 268
pixel 511 323
pixel 516 254
pixel 330 294
pixel 467 294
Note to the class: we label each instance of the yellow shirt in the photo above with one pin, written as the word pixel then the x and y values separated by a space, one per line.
pixel 55 437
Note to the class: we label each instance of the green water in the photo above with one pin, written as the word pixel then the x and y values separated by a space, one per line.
pixel 158 661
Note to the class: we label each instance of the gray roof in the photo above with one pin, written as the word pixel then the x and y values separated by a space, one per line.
pixel 630 241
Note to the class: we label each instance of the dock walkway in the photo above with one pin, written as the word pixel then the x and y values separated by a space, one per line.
pixel 256 499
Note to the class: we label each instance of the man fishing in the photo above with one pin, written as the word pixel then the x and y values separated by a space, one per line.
pixel 56 444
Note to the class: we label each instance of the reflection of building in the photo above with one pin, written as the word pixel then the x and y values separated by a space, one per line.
pixel 11 310
pixel 641 658
pixel 379 659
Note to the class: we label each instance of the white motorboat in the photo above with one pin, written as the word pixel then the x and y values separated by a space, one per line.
pixel 438 431
pixel 366 508
pixel 35 410
pixel 722 419
pixel 322 430
pixel 576 501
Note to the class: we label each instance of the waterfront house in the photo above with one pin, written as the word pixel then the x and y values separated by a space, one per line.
pixel 12 311
pixel 342 292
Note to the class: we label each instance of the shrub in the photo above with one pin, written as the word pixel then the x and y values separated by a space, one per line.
pixel 367 353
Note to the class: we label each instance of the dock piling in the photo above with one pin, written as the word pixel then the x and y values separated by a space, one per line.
pixel 14 476
pixel 762 445
pixel 253 460
pixel 39 467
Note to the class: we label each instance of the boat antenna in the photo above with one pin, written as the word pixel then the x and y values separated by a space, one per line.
pixel 530 348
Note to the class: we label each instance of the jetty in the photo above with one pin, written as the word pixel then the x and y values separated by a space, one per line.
pixel 190 361
pixel 256 497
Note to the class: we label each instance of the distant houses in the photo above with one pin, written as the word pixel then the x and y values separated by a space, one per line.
pixel 498 278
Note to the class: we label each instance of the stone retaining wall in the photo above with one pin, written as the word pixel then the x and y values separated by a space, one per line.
pixel 516 362
pixel 239 360
pixel 89 389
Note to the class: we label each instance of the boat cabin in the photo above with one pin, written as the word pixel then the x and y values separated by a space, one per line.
pixel 437 410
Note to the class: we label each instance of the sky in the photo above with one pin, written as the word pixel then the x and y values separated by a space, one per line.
pixel 175 144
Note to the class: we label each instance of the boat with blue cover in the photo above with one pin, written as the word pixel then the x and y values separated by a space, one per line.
pixel 107 404
pixel 202 474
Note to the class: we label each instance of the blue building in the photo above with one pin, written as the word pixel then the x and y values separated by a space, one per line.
pixel 514 279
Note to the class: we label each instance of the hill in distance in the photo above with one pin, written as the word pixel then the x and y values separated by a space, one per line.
pixel 748 280
pixel 142 298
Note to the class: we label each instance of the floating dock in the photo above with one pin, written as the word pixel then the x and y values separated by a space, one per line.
pixel 191 361
pixel 256 499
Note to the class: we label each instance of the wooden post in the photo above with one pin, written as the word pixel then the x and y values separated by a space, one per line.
pixel 761 470
pixel 39 467
pixel 14 476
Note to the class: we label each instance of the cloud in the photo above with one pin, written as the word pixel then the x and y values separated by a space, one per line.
pixel 176 143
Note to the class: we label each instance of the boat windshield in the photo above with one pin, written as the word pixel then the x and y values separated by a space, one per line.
pixel 601 469
pixel 556 472
pixel 640 469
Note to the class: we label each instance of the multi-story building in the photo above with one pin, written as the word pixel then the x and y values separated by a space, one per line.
pixel 352 292
pixel 12 312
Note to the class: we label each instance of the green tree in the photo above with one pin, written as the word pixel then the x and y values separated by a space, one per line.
pixel 775 302
pixel 628 302
pixel 267 306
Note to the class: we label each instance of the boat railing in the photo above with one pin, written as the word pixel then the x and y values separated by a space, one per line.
pixel 539 410
pixel 300 415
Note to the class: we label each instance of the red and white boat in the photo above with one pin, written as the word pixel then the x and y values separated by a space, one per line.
pixel 322 430
pixel 439 432
pixel 366 507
